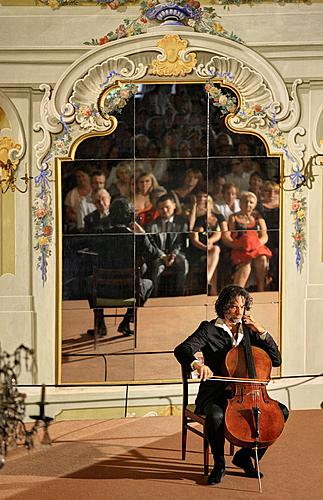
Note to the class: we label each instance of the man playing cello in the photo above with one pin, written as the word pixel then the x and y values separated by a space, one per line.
pixel 215 339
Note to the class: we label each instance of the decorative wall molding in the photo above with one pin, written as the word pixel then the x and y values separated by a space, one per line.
pixel 12 129
pixel 72 108
pixel 318 131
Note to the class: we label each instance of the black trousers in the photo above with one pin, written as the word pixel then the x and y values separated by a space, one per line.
pixel 214 424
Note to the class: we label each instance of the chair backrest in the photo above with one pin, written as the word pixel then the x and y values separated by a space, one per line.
pixel 115 285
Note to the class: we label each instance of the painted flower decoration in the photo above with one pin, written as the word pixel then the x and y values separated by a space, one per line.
pixel 118 97
pixel 43 221
pixel 201 19
pixel 86 116
pixel 298 212
pixel 224 101
pixel 61 144
pixel 277 137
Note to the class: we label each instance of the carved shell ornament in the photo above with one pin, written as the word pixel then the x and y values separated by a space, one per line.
pixel 91 92
pixel 174 60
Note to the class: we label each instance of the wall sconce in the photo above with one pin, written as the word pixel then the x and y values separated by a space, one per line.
pixel 304 177
pixel 8 177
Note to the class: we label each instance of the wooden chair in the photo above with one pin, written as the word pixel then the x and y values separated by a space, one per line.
pixel 105 279
pixel 189 418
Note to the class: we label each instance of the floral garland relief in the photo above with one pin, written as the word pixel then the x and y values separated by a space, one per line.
pixel 298 212
pixel 42 212
pixel 228 104
pixel 118 97
pixel 202 20
pixel 115 4
pixel 43 220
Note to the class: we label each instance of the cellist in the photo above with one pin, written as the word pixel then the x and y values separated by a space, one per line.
pixel 214 339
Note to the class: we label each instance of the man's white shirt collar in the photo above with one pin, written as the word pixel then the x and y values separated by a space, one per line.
pixel 220 323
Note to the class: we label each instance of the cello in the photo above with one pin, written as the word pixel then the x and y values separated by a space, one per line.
pixel 252 418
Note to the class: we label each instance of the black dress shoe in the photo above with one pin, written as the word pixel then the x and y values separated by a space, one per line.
pixel 242 460
pixel 216 476
pixel 124 328
pixel 102 332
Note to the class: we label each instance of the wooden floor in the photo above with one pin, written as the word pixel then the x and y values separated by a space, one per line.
pixel 140 459
pixel 162 324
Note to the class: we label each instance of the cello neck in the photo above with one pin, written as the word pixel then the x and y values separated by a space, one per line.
pixel 248 354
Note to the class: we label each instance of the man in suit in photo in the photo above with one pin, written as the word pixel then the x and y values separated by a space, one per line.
pixel 87 205
pixel 124 246
pixel 98 221
pixel 169 232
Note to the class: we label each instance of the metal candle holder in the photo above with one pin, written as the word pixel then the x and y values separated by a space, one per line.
pixel 13 430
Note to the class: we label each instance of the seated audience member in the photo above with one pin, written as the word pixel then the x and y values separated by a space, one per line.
pixel 155 127
pixel 181 100
pixel 247 239
pixel 184 153
pixel 168 234
pixel 223 145
pixel 98 221
pixel 141 145
pixel 154 197
pixel 121 188
pixel 81 191
pixel 184 194
pixel 154 164
pixel 255 185
pixel 249 164
pixel 169 145
pixel 231 202
pixel 106 148
pixel 199 207
pixel 197 142
pixel 87 205
pixel 113 179
pixel 205 239
pixel 124 252
pixel 146 185
pixel 142 115
pixel 270 211
pixel 215 188
pixel 237 175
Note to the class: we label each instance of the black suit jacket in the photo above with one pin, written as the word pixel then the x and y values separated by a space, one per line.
pixel 174 241
pixel 93 223
pixel 215 343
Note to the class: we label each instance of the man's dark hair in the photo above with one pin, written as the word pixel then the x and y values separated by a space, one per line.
pixel 97 173
pixel 227 296
pixel 121 212
pixel 256 174
pixel 165 197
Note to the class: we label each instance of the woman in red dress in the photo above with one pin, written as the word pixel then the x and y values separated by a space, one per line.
pixel 247 236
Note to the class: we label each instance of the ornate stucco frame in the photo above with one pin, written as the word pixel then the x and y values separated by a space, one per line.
pixel 72 111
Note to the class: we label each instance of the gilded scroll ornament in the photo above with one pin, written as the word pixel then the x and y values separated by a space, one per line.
pixel 174 61
pixel 7 144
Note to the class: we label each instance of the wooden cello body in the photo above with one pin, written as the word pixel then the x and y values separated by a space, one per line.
pixel 252 418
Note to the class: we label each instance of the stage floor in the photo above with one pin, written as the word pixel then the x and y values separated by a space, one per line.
pixel 140 459
pixel 162 324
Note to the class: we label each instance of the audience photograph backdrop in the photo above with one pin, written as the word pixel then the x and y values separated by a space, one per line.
pixel 183 176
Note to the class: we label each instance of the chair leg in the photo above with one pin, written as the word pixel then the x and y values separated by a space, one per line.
pixel 97 314
pixel 206 454
pixel 184 438
pixel 231 449
pixel 135 325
